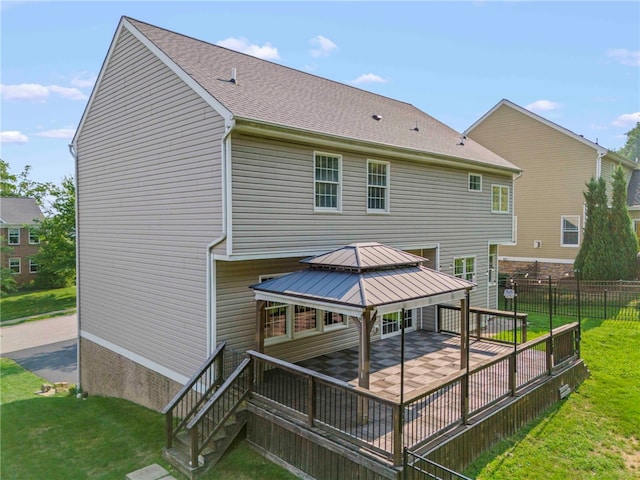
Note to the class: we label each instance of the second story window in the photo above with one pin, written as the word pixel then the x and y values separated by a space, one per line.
pixel 13 236
pixel 377 186
pixel 499 199
pixel 475 182
pixel 327 182
pixel 33 238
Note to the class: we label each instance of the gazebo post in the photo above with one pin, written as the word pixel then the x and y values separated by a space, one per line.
pixel 364 324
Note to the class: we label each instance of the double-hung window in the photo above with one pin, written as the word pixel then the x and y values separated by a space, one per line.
pixel 327 182
pixel 33 238
pixel 475 182
pixel 570 233
pixel 14 265
pixel 13 236
pixel 377 186
pixel 33 266
pixel 499 199
pixel 464 267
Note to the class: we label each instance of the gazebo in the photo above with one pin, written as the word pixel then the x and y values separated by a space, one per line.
pixel 364 281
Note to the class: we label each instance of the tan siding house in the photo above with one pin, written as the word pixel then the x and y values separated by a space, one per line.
pixel 548 196
pixel 202 171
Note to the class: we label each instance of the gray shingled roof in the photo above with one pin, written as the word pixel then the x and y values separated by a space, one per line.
pixel 19 210
pixel 273 94
pixel 375 285
pixel 633 189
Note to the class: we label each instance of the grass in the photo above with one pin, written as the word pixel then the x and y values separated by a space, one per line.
pixel 62 437
pixel 38 303
pixel 595 433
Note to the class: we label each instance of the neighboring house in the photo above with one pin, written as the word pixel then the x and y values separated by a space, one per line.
pixel 18 216
pixel 202 171
pixel 548 197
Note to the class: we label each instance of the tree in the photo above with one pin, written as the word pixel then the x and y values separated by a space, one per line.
pixel 21 185
pixel 7 282
pixel 57 233
pixel 623 240
pixel 631 150
pixel 594 258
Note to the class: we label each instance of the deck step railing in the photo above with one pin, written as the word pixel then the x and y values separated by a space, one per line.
pixel 188 401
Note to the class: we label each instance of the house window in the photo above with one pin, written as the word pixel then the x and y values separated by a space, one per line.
pixel 14 265
pixel 391 322
pixel 377 186
pixel 333 320
pixel 14 236
pixel 33 266
pixel 570 227
pixel 464 267
pixel 305 319
pixel 327 182
pixel 499 199
pixel 276 325
pixel 33 238
pixel 475 182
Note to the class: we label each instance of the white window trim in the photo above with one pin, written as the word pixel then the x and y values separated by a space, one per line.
pixel 508 210
pixel 33 243
pixel 469 182
pixel 33 263
pixel 9 242
pixel 399 331
pixel 562 231
pixel 464 263
pixel 387 187
pixel 338 208
pixel 19 265
pixel 493 278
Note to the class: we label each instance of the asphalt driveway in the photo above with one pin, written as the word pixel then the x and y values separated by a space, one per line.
pixel 47 348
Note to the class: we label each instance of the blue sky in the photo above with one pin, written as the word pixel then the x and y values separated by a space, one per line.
pixel 575 63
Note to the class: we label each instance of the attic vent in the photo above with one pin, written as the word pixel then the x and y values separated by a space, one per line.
pixel 234 76
pixel 377 117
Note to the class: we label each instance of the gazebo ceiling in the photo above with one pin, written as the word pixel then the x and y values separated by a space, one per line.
pixel 360 276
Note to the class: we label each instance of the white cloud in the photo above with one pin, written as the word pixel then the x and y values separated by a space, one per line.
pixel 84 80
pixel 323 46
pixel 624 56
pixel 369 78
pixel 37 92
pixel 627 120
pixel 542 106
pixel 13 136
pixel 58 133
pixel 266 52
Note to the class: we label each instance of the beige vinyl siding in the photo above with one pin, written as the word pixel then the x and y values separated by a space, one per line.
pixel 272 206
pixel 556 168
pixel 149 190
pixel 236 312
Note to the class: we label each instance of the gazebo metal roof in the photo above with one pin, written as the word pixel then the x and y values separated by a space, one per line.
pixel 361 276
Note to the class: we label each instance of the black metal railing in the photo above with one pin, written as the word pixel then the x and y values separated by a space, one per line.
pixel 418 467
pixel 485 323
pixel 619 300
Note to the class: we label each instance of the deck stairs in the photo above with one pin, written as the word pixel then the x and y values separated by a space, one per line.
pixel 207 415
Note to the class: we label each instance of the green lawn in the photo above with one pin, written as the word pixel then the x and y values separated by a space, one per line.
pixel 19 305
pixel 595 433
pixel 63 437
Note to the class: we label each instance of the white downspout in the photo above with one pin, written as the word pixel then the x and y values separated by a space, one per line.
pixel 74 154
pixel 226 188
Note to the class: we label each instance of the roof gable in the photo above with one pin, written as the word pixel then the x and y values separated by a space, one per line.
pixel 19 210
pixel 598 148
pixel 272 94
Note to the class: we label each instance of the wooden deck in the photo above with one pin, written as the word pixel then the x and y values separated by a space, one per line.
pixel 429 356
